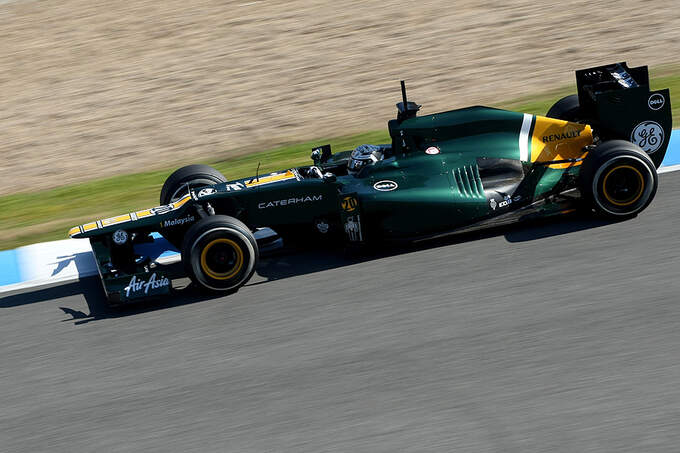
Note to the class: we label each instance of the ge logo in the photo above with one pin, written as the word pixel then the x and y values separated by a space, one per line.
pixel 648 135
pixel 349 204
pixel 120 237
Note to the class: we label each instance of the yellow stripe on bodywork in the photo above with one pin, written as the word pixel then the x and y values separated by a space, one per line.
pixel 554 139
pixel 181 201
pixel 271 178
pixel 116 220
pixel 143 213
pixel 128 217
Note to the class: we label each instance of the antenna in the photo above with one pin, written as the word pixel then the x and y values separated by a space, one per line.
pixel 257 172
pixel 406 109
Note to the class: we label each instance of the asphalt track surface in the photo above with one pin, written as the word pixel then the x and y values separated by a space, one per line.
pixel 560 336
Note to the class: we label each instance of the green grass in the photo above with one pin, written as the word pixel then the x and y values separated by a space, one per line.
pixel 47 215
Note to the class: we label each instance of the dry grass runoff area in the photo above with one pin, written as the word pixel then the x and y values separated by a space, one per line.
pixel 92 88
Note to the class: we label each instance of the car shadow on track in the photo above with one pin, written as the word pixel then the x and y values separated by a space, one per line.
pixel 279 266
pixel 530 230
pixel 91 290
pixel 544 228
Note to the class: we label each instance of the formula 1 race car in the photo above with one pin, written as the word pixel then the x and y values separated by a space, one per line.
pixel 442 173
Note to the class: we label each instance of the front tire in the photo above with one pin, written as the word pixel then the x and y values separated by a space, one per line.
pixel 178 184
pixel 220 253
pixel 618 180
pixel 191 176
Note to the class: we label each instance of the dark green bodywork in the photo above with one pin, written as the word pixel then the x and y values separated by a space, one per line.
pixel 435 193
pixel 445 172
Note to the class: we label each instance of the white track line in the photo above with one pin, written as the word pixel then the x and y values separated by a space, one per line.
pixel 668 169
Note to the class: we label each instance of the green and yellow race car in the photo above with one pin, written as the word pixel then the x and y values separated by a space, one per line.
pixel 442 173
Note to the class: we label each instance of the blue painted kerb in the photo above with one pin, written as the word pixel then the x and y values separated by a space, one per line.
pixel 9 268
pixel 673 153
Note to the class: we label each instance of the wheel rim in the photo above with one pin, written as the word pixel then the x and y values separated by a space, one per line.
pixel 191 256
pixel 222 259
pixel 623 185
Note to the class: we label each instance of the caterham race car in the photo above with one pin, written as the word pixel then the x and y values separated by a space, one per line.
pixel 442 173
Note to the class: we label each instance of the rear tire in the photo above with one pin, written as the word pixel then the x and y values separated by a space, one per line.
pixel 219 253
pixel 618 180
pixel 567 109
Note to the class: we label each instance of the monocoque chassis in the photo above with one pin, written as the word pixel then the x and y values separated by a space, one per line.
pixel 443 173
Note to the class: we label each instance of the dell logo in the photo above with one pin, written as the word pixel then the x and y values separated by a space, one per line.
pixel 656 101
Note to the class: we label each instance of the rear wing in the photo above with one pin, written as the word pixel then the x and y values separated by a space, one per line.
pixel 620 105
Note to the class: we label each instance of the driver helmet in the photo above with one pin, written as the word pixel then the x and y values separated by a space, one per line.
pixel 362 156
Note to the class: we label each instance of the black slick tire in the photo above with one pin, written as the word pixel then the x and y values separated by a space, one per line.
pixel 618 180
pixel 193 176
pixel 175 187
pixel 567 109
pixel 219 254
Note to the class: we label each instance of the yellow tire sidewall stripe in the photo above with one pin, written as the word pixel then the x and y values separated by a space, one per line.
pixel 629 202
pixel 224 275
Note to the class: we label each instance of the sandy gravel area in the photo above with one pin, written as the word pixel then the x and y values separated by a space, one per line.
pixel 94 88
